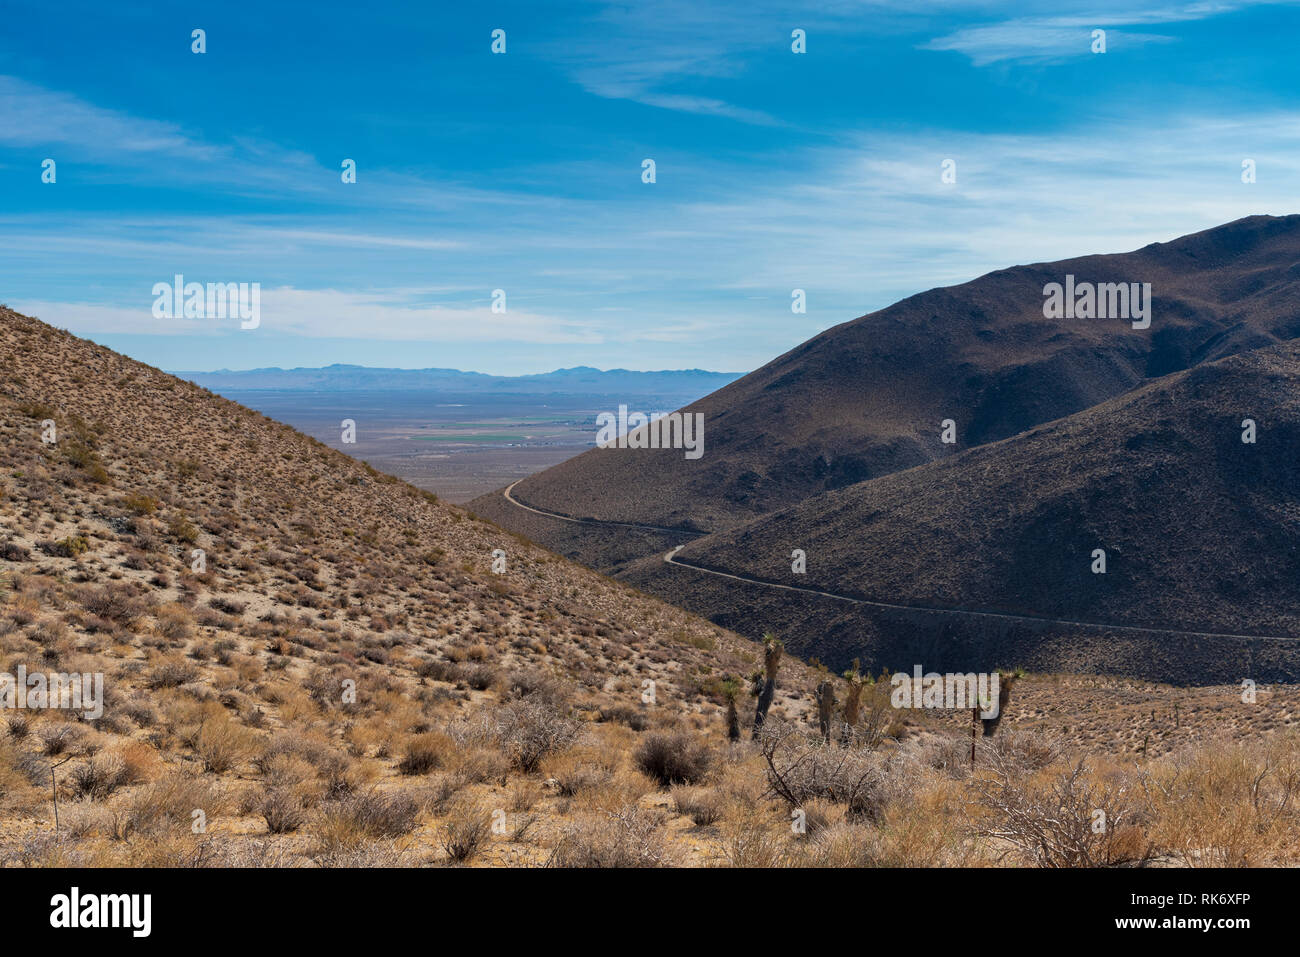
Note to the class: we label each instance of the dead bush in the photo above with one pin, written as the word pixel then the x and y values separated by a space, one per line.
pixel 1075 821
pixel 167 806
pixel 175 622
pixel 673 757
pixel 172 674
pixel 800 769
pixel 629 837
pixel 99 777
pixel 702 805
pixel 61 738
pixel 112 602
pixel 283 810
pixel 221 745
pixel 425 753
pixel 467 826
pixel 529 730
pixel 367 816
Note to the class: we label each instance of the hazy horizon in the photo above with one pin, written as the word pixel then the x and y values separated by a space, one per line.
pixel 399 368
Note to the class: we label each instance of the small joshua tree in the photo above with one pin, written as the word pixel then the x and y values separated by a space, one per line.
pixel 853 698
pixel 730 691
pixel 1006 681
pixel 765 684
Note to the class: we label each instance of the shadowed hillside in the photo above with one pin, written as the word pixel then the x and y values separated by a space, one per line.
pixel 840 443
pixel 1201 530
pixel 866 398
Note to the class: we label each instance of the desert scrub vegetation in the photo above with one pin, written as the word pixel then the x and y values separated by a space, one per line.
pixel 1062 818
pixel 344 826
pixel 802 767
pixel 629 837
pixel 530 729
pixel 466 828
pixel 519 692
pixel 425 753
pixel 674 757
pixel 1233 805
pixel 703 806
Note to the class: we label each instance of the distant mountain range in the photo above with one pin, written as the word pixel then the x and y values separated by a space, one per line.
pixel 578 380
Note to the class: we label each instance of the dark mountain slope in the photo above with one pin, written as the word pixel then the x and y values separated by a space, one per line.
pixel 1201 530
pixel 866 398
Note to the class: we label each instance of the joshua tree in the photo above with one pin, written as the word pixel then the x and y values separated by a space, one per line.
pixel 765 684
pixel 1006 681
pixel 853 698
pixel 730 690
pixel 825 707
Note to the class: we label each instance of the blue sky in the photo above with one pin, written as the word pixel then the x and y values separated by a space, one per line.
pixel 522 171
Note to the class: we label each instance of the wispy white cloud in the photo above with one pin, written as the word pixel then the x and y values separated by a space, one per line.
pixel 158 152
pixel 1036 40
pixel 327 313
pixel 33 116
pixel 1053 36
pixel 645 52
pixel 354 240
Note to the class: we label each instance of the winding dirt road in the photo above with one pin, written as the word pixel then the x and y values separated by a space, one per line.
pixel 671 559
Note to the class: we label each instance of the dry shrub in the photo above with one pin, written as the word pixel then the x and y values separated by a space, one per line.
pixel 752 837
pixel 524 794
pixel 635 718
pixel 581 770
pixel 222 745
pixel 19 727
pixel 947 753
pixel 174 622
pixel 704 806
pixel 467 826
pixel 283 809
pixel 479 677
pixel 1228 805
pixel 367 854
pixel 818 814
pixel 436 796
pixel 480 766
pixel 45 850
pixel 538 686
pixel 172 673
pixel 801 769
pixel 1022 751
pixel 347 824
pixel 142 762
pixel 629 837
pixel 529 730
pixel 16 773
pixel 85 819
pixel 674 757
pixel 112 602
pixel 167 806
pixel 425 753
pixel 62 738
pixel 99 777
pixel 286 770
pixel 1059 823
